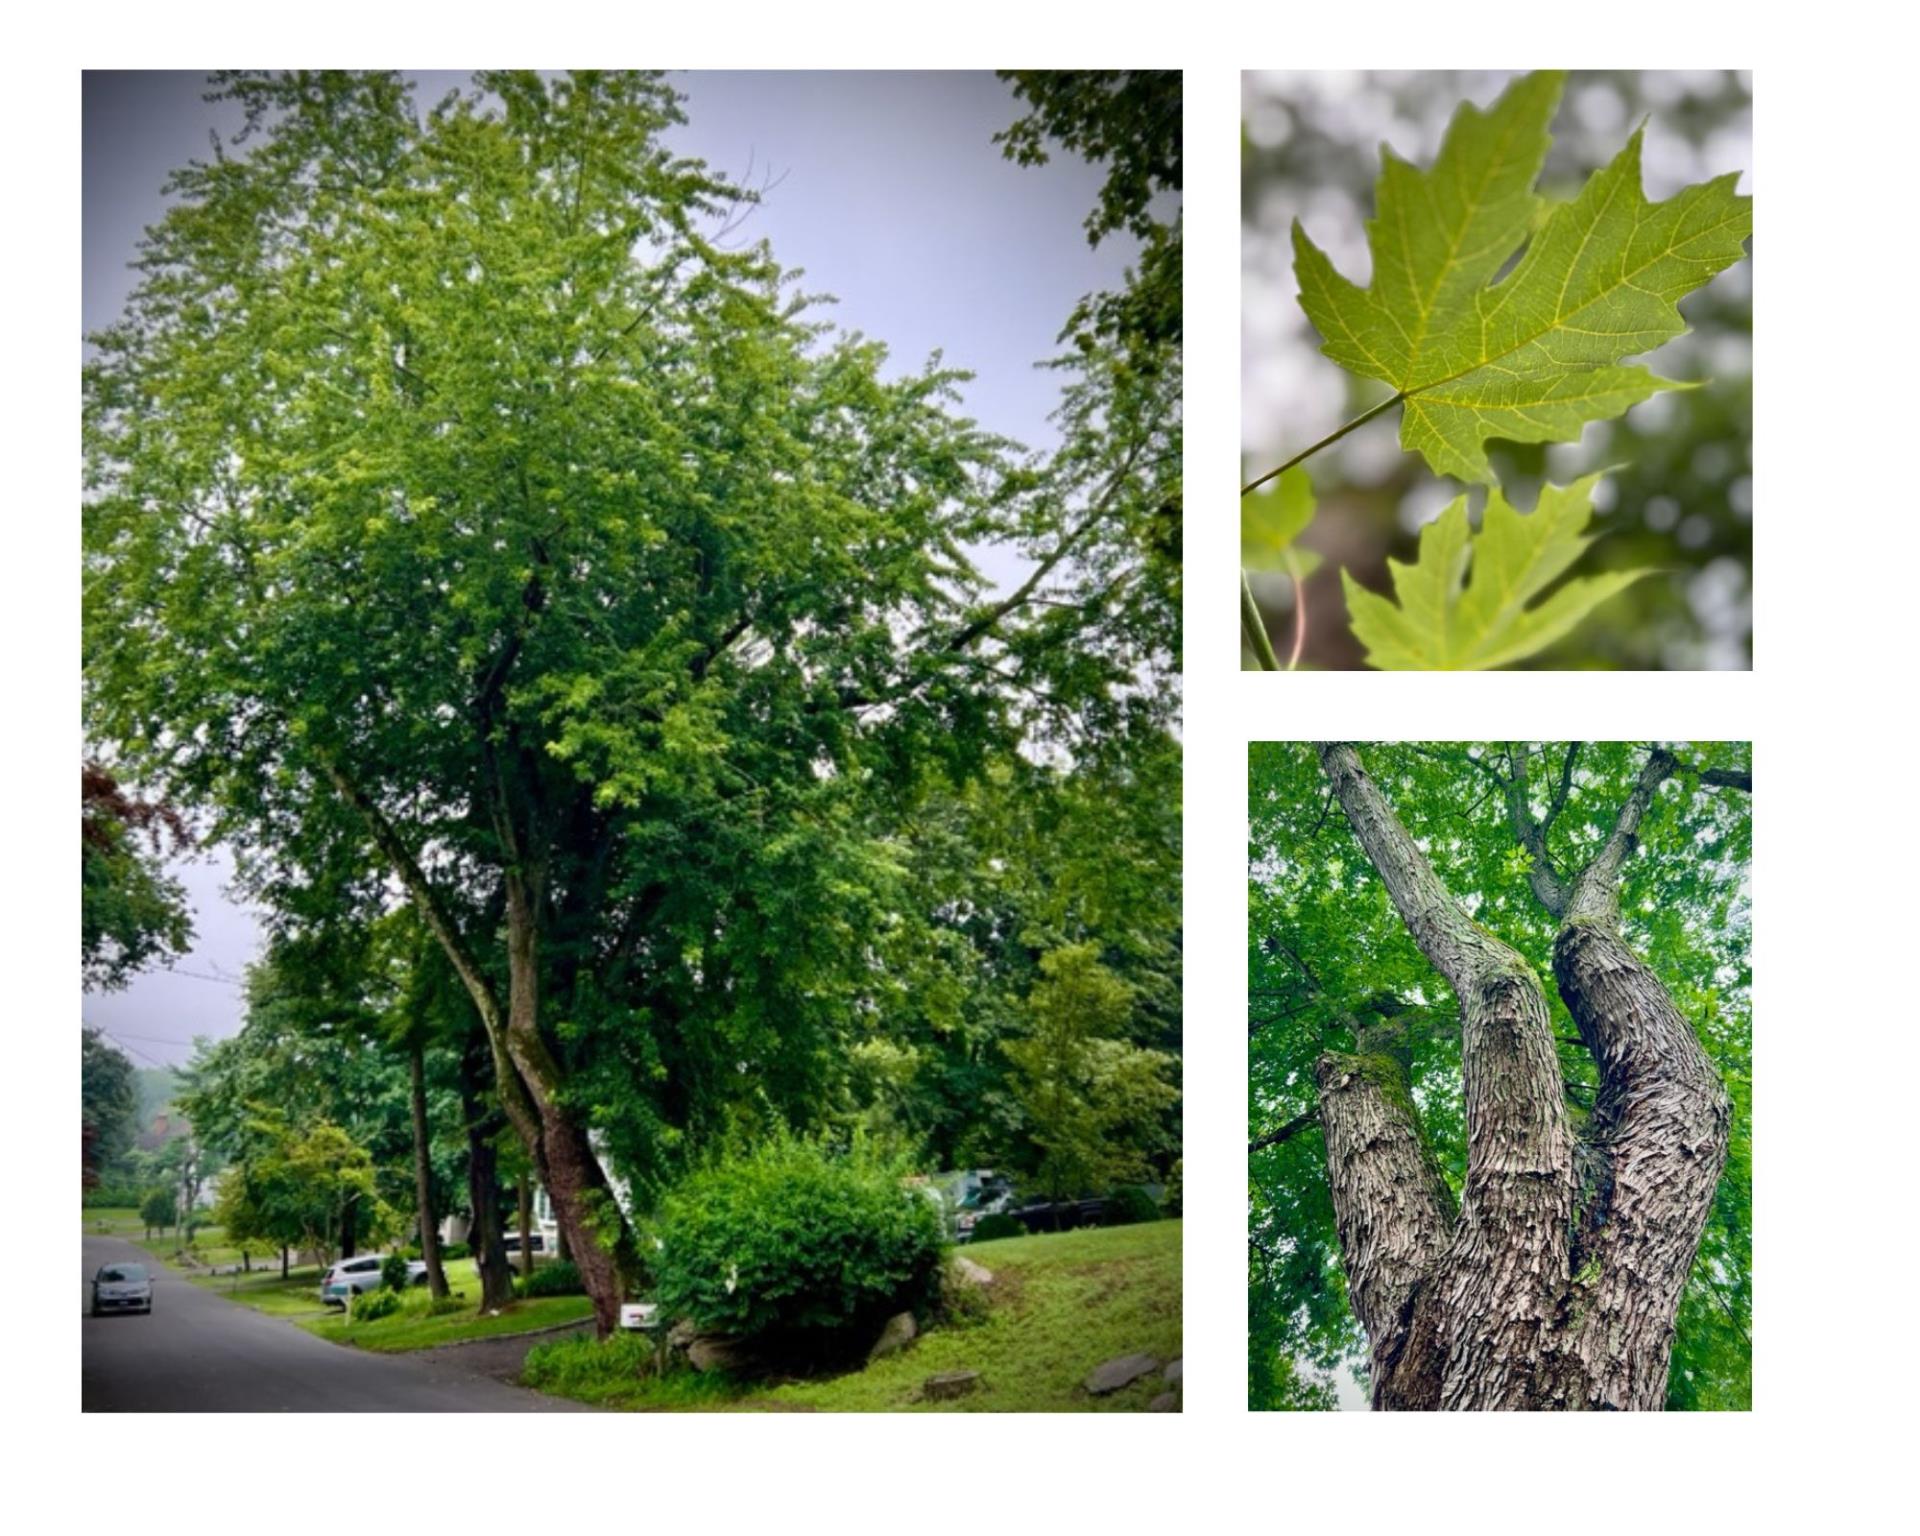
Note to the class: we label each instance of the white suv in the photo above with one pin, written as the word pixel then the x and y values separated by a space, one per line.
pixel 352 1276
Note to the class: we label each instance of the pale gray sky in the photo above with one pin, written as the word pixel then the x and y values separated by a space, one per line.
pixel 894 199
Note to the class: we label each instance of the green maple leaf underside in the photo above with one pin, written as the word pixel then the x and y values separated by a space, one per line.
pixel 1444 621
pixel 1536 356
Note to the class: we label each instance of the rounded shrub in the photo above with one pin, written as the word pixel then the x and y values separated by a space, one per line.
pixel 1130 1204
pixel 999 1224
pixel 371 1306
pixel 560 1278
pixel 797 1246
pixel 394 1273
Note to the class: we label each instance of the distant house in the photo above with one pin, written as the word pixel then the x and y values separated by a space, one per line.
pixel 458 1227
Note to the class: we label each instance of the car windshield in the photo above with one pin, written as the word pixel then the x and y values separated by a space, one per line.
pixel 124 1272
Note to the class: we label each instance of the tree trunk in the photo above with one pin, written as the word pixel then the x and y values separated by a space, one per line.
pixel 283 1262
pixel 528 1078
pixel 1496 1288
pixel 1658 1140
pixel 423 1175
pixel 1529 1301
pixel 525 1196
pixel 583 1203
pixel 1654 1144
pixel 348 1212
pixel 1394 1213
pixel 483 1192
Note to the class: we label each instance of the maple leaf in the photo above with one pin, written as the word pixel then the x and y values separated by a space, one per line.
pixel 1444 621
pixel 1270 523
pixel 1535 356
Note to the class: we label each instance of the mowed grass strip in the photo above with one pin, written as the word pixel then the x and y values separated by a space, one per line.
pixel 413 1328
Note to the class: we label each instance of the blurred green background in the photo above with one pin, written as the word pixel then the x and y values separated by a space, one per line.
pixel 1682 502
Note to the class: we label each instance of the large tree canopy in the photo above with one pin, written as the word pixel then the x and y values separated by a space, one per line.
pixel 1520 844
pixel 462 519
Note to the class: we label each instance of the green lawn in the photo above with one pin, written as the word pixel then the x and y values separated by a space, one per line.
pixel 1060 1305
pixel 412 1329
pixel 296 1296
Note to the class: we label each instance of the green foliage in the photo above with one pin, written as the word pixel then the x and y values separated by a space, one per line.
pixel 1465 604
pixel 371 1306
pixel 1534 357
pixel 393 1272
pixel 1324 942
pixel 107 1109
pixel 559 504
pixel 160 1207
pixel 1129 1203
pixel 1091 1100
pixel 999 1224
pixel 293 1187
pixel 132 913
pixel 798 1244
pixel 590 1370
pixel 1270 522
pixel 560 1278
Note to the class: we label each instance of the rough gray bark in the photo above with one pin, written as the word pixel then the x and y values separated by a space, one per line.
pixel 1522 1301
pixel 1394 1213
pixel 1495 1283
pixel 1657 1137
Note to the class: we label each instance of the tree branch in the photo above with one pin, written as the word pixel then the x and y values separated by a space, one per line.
pixel 1285 1132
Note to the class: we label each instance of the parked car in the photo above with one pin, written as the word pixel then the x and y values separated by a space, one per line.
pixel 1061 1216
pixel 350 1277
pixel 511 1242
pixel 976 1193
pixel 121 1288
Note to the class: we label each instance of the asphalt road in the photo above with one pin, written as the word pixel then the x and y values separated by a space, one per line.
pixel 197 1353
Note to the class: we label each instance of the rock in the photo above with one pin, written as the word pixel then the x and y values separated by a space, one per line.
pixel 681 1334
pixel 972 1273
pixel 900 1331
pixel 1166 1402
pixel 1172 1374
pixel 1115 1374
pixel 949 1384
pixel 716 1352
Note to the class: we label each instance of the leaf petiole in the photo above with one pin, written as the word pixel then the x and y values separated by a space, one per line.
pixel 1332 437
pixel 1255 627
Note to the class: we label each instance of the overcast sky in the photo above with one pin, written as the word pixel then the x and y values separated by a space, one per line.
pixel 894 199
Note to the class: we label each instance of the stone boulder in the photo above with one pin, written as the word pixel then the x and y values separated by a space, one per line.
pixel 901 1330
pixel 718 1352
pixel 949 1384
pixel 1166 1402
pixel 1118 1373
pixel 1172 1374
pixel 970 1273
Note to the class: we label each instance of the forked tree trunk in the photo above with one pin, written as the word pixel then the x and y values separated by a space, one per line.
pixel 528 1078
pixel 1511 1304
pixel 423 1175
pixel 584 1206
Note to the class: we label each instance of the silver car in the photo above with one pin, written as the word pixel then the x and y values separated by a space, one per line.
pixel 352 1276
pixel 121 1288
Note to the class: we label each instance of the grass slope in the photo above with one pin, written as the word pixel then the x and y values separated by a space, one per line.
pixel 1060 1305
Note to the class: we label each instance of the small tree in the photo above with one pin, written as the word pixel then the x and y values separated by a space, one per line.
pixel 1092 1102
pixel 158 1209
